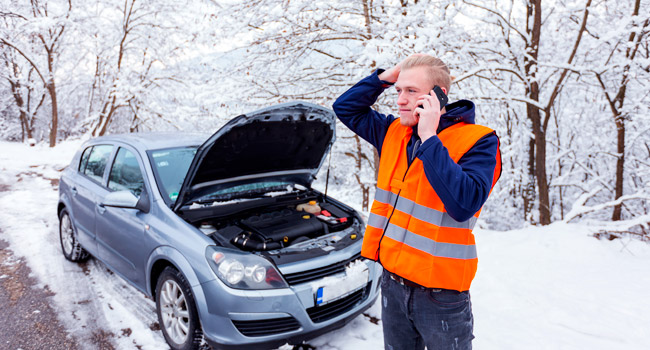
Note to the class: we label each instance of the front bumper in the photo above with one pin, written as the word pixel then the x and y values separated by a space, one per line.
pixel 235 319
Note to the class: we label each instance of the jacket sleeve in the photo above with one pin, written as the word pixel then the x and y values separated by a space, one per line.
pixel 463 187
pixel 353 109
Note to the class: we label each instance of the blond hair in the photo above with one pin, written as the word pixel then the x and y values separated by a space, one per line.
pixel 438 72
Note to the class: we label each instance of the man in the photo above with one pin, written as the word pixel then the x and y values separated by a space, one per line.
pixel 436 170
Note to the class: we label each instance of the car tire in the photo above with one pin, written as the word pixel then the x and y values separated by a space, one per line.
pixel 70 247
pixel 177 314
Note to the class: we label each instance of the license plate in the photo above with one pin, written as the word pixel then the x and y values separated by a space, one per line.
pixel 335 287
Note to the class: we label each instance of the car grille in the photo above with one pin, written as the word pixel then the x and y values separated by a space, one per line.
pixel 312 275
pixel 259 328
pixel 338 307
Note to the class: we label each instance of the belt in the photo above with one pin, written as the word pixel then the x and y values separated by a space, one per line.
pixel 405 282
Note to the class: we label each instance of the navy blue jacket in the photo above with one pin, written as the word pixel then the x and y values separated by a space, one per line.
pixel 462 187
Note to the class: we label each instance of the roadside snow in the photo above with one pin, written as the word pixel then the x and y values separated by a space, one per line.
pixel 551 287
pixel 556 287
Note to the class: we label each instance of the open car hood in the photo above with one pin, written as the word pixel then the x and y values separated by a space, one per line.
pixel 284 142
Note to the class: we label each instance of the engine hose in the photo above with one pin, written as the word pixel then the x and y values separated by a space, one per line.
pixel 246 240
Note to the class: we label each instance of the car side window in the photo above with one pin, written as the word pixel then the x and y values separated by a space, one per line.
pixel 126 173
pixel 97 162
pixel 84 159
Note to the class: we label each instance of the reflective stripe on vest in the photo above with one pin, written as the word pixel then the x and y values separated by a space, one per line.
pixel 427 245
pixel 419 212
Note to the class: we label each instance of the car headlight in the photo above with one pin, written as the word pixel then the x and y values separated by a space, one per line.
pixel 243 270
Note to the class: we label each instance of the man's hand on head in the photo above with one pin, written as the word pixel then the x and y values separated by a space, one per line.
pixel 428 114
pixel 391 75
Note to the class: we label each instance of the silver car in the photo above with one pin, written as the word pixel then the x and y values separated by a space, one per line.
pixel 224 232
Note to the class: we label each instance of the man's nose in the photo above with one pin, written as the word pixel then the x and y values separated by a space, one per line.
pixel 401 100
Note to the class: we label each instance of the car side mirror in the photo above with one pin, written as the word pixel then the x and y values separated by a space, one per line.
pixel 143 202
pixel 126 199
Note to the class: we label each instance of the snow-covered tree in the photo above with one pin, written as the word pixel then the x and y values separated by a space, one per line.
pixel 34 31
pixel 565 89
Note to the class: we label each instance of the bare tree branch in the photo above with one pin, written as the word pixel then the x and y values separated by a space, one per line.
pixel 560 82
pixel 5 42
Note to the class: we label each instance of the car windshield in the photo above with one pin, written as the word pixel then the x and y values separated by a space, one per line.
pixel 171 166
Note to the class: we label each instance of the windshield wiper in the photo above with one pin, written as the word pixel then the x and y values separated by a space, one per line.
pixel 239 194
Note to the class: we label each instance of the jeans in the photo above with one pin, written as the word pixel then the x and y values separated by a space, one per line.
pixel 413 317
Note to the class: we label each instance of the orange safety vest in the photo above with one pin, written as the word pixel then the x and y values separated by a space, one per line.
pixel 409 231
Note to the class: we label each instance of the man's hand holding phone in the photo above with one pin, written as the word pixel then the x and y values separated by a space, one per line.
pixel 428 112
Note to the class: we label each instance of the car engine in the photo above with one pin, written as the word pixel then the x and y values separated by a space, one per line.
pixel 281 225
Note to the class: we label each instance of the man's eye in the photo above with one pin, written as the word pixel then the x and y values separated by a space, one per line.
pixel 411 91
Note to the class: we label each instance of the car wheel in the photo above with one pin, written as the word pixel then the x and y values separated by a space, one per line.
pixel 71 248
pixel 177 315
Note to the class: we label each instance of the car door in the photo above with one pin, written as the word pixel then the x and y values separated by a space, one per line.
pixel 87 190
pixel 120 231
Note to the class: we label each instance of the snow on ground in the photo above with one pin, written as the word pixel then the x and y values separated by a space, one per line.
pixel 553 287
pixel 94 304
pixel 556 287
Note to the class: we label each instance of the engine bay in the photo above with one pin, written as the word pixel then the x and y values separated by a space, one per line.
pixel 283 224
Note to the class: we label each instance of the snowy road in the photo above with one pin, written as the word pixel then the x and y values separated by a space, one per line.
pixel 27 321
pixel 551 287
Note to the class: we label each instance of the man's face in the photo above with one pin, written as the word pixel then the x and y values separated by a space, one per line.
pixel 410 85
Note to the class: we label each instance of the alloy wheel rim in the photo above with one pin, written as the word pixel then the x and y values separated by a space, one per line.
pixel 174 312
pixel 67 235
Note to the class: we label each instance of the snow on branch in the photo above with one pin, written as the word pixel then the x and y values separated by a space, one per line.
pixel 31 62
pixel 579 208
pixel 620 226
pixel 477 70
pixel 513 98
pixel 506 21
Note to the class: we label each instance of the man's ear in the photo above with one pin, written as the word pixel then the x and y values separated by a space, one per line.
pixel 444 89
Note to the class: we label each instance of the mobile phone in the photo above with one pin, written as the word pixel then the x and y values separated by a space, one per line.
pixel 442 98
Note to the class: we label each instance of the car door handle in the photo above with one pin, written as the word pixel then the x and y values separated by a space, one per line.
pixel 101 208
pixel 74 191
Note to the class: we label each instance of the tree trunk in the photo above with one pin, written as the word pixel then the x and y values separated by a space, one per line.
pixel 620 164
pixel 24 123
pixel 619 119
pixel 108 118
pixel 105 117
pixel 25 126
pixel 365 189
pixel 534 12
pixel 22 127
pixel 366 15
pixel 51 88
pixel 358 157
pixel 529 189
pixel 634 42
pixel 540 163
